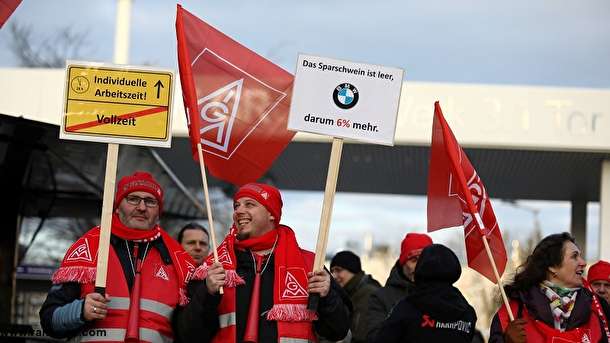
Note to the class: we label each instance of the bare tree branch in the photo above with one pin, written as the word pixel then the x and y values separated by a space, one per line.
pixel 46 52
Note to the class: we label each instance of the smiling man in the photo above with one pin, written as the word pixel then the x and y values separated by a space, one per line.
pixel 266 279
pixel 147 275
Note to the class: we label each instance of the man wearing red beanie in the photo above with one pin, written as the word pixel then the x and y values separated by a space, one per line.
pixel 147 275
pixel 266 280
pixel 398 285
pixel 599 278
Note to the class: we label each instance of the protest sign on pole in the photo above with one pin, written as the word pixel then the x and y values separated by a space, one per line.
pixel 342 99
pixel 115 104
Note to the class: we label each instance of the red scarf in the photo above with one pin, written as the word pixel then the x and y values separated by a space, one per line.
pixel 290 281
pixel 80 261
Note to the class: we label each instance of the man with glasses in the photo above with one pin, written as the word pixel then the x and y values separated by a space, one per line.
pixel 146 279
pixel 398 285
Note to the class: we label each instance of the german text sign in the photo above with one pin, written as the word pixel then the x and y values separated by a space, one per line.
pixel 345 99
pixel 117 104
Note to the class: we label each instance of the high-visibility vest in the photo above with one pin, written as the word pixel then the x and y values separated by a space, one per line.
pixel 287 332
pixel 158 298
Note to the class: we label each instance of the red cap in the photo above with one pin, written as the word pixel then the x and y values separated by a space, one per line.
pixel 138 182
pixel 266 195
pixel 599 271
pixel 412 245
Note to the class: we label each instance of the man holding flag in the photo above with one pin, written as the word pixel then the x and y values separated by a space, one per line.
pixel 266 278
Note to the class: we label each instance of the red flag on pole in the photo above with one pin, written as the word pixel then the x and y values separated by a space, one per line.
pixel 457 196
pixel 7 7
pixel 237 102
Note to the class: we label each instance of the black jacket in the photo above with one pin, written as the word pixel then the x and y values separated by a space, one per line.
pixel 381 301
pixel 198 321
pixel 434 311
pixel 537 305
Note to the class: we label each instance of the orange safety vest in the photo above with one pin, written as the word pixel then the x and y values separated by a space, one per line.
pixel 537 331
pixel 158 298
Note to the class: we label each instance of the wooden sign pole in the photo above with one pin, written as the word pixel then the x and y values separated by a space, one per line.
pixel 327 209
pixel 107 205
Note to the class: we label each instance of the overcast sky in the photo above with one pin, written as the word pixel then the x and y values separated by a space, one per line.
pixel 545 42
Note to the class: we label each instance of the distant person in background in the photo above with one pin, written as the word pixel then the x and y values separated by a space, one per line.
pixel 599 278
pixel 398 285
pixel 346 269
pixel 195 239
pixel 434 310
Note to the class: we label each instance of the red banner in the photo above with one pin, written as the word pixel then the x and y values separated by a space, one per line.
pixel 7 7
pixel 237 102
pixel 457 197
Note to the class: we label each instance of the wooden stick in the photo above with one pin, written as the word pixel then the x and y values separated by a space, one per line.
pixel 208 207
pixel 327 209
pixel 497 275
pixel 106 220
pixel 327 204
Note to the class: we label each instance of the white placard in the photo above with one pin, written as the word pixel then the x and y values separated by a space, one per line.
pixel 345 99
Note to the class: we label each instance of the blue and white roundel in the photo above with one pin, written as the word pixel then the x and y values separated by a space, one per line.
pixel 345 96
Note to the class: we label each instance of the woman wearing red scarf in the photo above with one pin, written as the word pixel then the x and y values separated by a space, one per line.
pixel 147 275
pixel 266 278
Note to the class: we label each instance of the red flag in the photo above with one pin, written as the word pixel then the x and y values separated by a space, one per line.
pixel 236 101
pixel 7 7
pixel 457 196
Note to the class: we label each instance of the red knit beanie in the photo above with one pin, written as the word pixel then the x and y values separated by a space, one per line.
pixel 599 271
pixel 138 182
pixel 266 195
pixel 412 245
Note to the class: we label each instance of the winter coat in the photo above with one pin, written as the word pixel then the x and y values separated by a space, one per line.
pixel 381 301
pixel 434 311
pixel 537 305
pixel 198 321
pixel 359 289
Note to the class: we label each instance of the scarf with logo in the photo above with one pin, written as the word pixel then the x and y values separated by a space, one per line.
pixel 80 261
pixel 290 281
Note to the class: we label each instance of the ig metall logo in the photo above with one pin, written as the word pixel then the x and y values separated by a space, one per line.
pixel 345 96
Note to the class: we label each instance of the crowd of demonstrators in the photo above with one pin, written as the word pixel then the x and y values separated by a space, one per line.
pixel 434 310
pixel 346 269
pixel 599 278
pixel 146 279
pixel 195 240
pixel 266 278
pixel 398 285
pixel 548 300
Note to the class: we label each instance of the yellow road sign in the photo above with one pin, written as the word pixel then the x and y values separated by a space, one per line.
pixel 117 104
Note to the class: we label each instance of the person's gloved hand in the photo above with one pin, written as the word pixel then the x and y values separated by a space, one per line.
pixel 515 332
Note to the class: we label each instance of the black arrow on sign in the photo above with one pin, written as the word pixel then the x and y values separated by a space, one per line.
pixel 159 85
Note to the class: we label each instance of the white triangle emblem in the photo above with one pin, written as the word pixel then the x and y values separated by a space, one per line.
pixel 223 255
pixel 81 253
pixel 220 115
pixel 161 274
pixel 293 288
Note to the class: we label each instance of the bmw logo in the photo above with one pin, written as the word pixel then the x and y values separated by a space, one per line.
pixel 345 96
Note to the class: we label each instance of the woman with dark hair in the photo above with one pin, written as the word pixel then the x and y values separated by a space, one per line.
pixel 549 301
